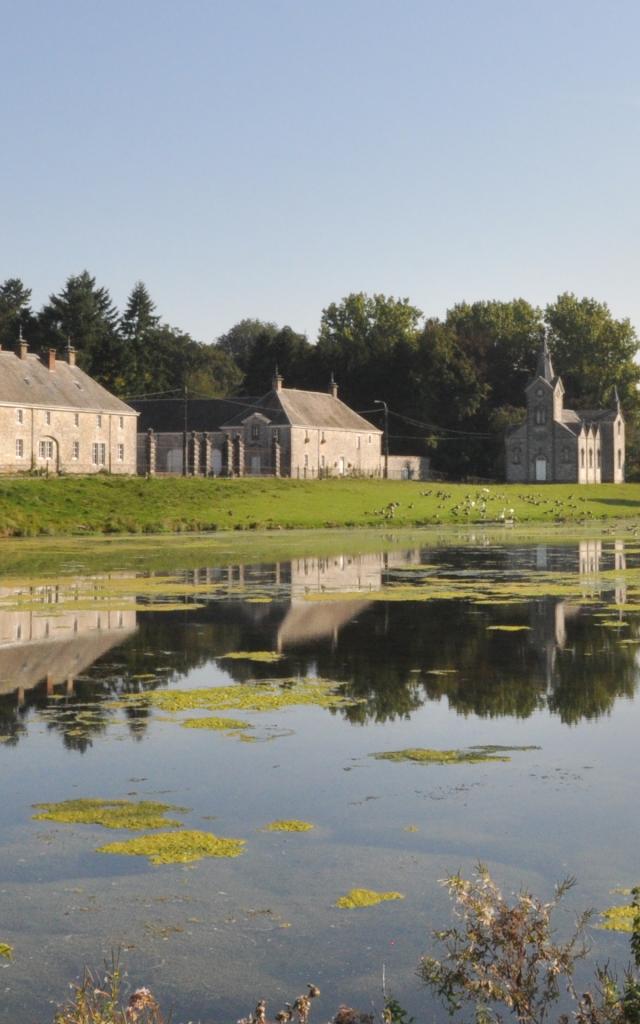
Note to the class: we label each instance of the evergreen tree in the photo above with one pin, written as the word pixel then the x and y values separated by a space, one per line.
pixel 85 316
pixel 139 330
pixel 15 311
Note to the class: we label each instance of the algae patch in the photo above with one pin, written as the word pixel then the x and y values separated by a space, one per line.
pixel 509 629
pixel 263 656
pixel 426 755
pixel 177 847
pixel 619 919
pixel 215 723
pixel 126 814
pixel 291 825
pixel 270 695
pixel 6 951
pixel 366 898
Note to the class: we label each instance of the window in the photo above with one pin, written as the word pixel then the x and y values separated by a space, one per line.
pixel 306 436
pixel 358 440
pixel 98 420
pixel 47 417
pixel 19 448
pixel 566 455
pixel 619 458
pixel 322 461
pixel 76 419
pixel 540 415
pixel 19 415
pixel 369 438
pixel 306 461
pixel 120 453
pixel 619 427
pixel 45 449
pixel 75 450
pixel 276 435
pixel 516 456
pixel 598 457
pixel 121 422
pixel 591 458
pixel 255 431
pixel 582 458
pixel 322 437
pixel 99 453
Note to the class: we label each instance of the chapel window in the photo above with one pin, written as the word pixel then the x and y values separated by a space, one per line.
pixel 591 458
pixel 582 458
pixel 619 458
pixel 516 456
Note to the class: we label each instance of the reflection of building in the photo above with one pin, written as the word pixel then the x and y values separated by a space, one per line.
pixel 56 648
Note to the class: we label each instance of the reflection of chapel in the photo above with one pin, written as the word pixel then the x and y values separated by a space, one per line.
pixel 554 444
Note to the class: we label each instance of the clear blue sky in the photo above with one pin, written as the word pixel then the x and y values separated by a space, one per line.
pixel 262 158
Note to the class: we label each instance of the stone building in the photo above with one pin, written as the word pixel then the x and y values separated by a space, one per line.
pixel 56 419
pixel 558 445
pixel 287 432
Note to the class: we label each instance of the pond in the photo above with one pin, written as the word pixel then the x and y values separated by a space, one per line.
pixel 239 692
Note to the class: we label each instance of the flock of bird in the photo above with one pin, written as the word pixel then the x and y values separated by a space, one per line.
pixel 475 504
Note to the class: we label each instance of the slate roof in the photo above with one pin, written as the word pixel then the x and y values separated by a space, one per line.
pixel 296 408
pixel 27 382
pixel 166 415
pixel 597 415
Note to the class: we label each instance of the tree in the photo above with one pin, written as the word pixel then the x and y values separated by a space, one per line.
pixel 214 373
pixel 593 352
pixel 139 330
pixel 286 349
pixel 85 316
pixel 369 344
pixel 239 341
pixel 15 311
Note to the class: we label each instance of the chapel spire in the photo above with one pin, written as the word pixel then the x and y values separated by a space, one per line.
pixel 544 368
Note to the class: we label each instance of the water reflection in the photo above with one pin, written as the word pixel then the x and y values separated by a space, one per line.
pixel 394 656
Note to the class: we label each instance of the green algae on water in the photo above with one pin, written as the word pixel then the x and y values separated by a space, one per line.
pixel 214 722
pixel 6 951
pixel 365 898
pixel 619 919
pixel 177 847
pixel 270 695
pixel 263 656
pixel 125 814
pixel 509 629
pixel 288 825
pixel 426 755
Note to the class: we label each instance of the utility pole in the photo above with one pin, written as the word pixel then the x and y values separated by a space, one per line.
pixel 380 401
pixel 185 439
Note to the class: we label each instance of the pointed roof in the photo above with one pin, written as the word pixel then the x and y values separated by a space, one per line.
pixel 544 367
pixel 293 407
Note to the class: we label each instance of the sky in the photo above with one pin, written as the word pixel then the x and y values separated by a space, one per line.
pixel 264 158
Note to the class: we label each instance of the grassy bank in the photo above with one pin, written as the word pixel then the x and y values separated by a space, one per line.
pixel 111 505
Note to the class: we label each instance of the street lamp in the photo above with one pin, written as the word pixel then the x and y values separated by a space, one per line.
pixel 380 401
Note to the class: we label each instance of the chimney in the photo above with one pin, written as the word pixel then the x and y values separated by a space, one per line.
pixel 277 381
pixel 23 348
pixel 333 387
pixel 52 359
pixel 71 355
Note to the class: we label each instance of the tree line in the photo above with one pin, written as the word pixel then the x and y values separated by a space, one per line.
pixel 452 384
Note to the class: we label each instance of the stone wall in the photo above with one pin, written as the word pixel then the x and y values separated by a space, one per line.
pixel 63 440
pixel 407 467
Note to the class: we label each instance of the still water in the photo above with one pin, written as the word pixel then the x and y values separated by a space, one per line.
pixel 408 635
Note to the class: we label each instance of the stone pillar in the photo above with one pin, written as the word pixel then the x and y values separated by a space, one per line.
pixel 206 449
pixel 151 443
pixel 227 457
pixel 239 455
pixel 275 451
pixel 194 454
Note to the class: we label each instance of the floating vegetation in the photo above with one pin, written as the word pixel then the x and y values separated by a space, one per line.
pixel 611 623
pixel 509 629
pixel 126 814
pixel 270 695
pixel 290 825
pixel 263 656
pixel 426 755
pixel 366 898
pixel 177 847
pixel 411 828
pixel 619 919
pixel 6 951
pixel 214 722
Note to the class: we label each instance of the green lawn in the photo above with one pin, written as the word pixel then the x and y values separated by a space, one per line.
pixel 72 506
